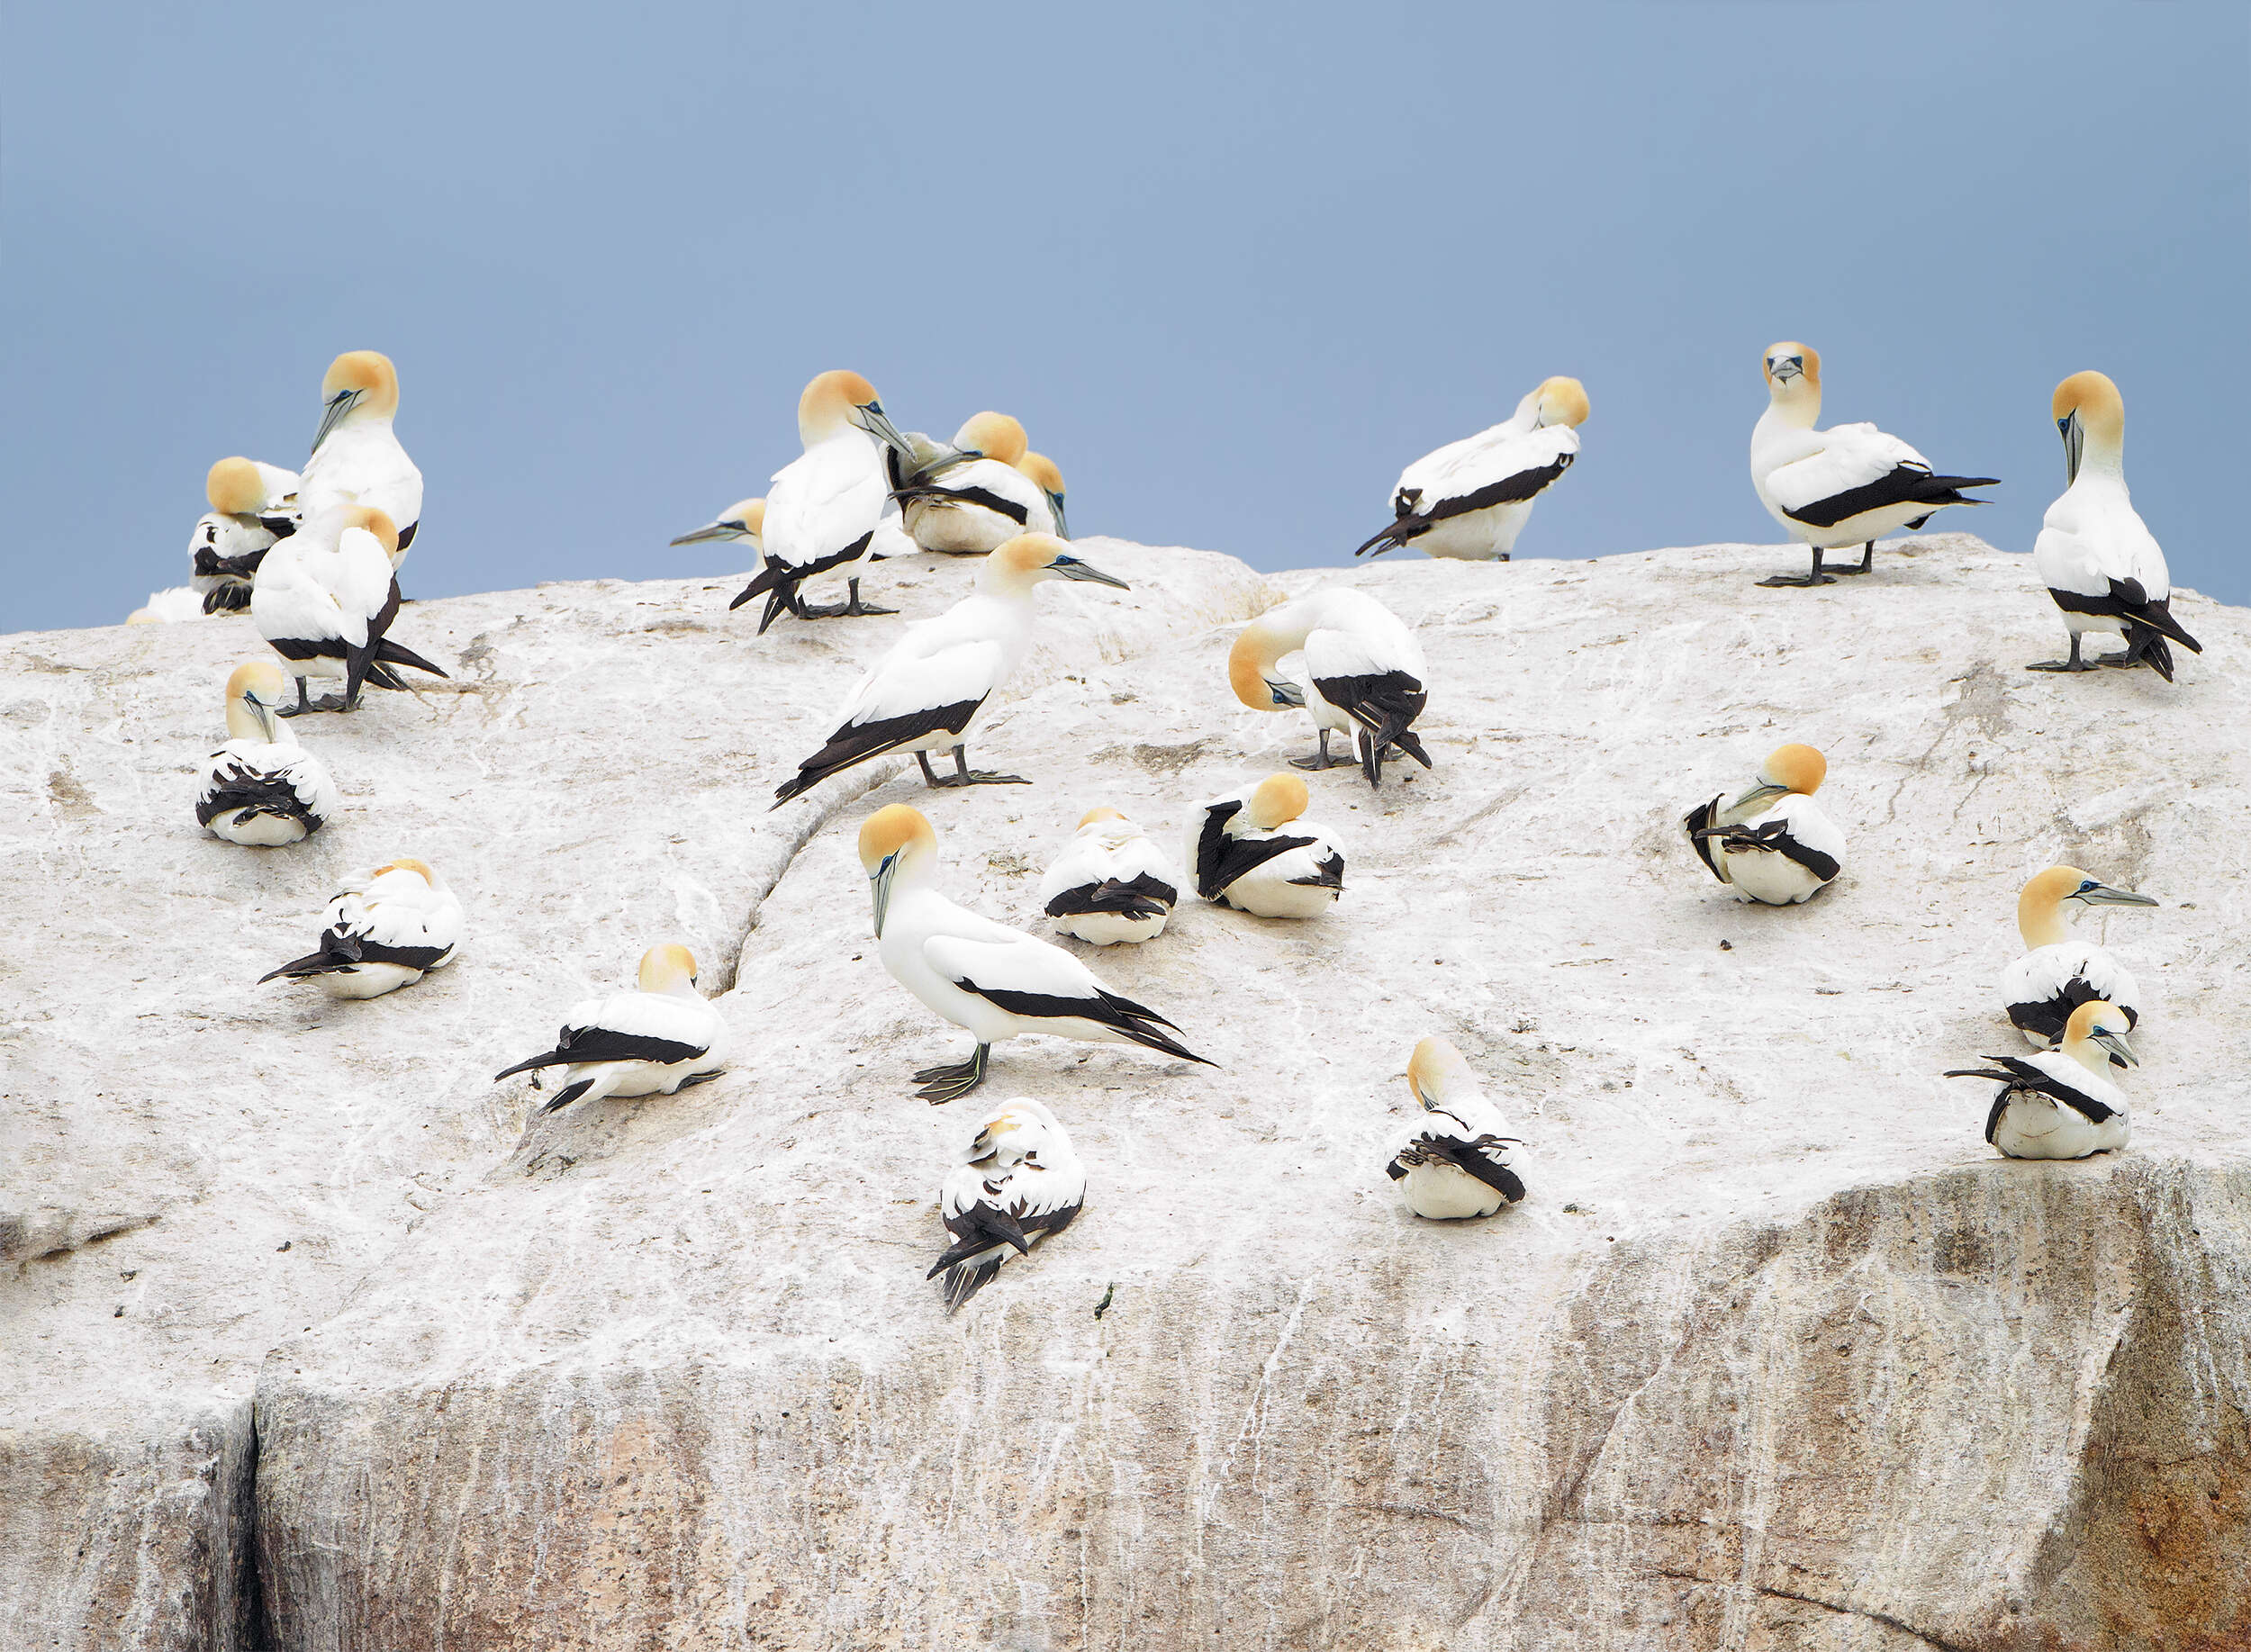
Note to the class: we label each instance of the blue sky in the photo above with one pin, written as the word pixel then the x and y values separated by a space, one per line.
pixel 1232 270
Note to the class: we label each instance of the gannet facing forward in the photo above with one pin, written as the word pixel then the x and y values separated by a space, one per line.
pixel 1849 485
pixel 1110 883
pixel 356 459
pixel 324 601
pixel 1018 1182
pixel 1364 675
pixel 1456 1163
pixel 386 929
pixel 1470 499
pixel 261 787
pixel 2098 562
pixel 925 694
pixel 1772 844
pixel 2061 1104
pixel 2060 973
pixel 983 502
pixel 1253 853
pixel 655 1041
pixel 994 982
pixel 250 507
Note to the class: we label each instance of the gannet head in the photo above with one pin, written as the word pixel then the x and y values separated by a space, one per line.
pixel 255 693
pixel 234 488
pixel 746 519
pixel 1042 470
pixel 1098 817
pixel 1437 1074
pixel 839 399
pixel 1561 401
pixel 2096 1026
pixel 1788 768
pixel 1250 671
pixel 1019 1128
pixel 1793 380
pixel 420 869
pixel 893 840
pixel 359 383
pixel 371 521
pixel 669 968
pixel 1275 802
pixel 993 436
pixel 2089 412
pixel 1023 562
pixel 2040 904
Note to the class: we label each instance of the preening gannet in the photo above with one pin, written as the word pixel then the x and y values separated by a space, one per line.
pixel 386 929
pixel 1456 1163
pixel 324 601
pixel 261 787
pixel 2058 972
pixel 357 459
pixel 925 694
pixel 1849 485
pixel 1019 1181
pixel 1470 499
pixel 994 982
pixel 1110 883
pixel 1041 469
pixel 1364 675
pixel 2098 562
pixel 1253 853
pixel 2061 1103
pixel 655 1041
pixel 983 502
pixel 250 507
pixel 1773 843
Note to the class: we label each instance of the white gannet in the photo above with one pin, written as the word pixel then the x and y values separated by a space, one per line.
pixel 741 522
pixel 2057 973
pixel 324 601
pixel 1456 1163
pixel 655 1041
pixel 261 787
pixel 2098 562
pixel 168 607
pixel 356 459
pixel 823 506
pixel 1776 853
pixel 1110 883
pixel 386 929
pixel 994 982
pixel 1017 1182
pixel 1041 469
pixel 925 694
pixel 250 507
pixel 981 502
pixel 1364 675
pixel 1849 485
pixel 1253 853
pixel 1470 499
pixel 2061 1103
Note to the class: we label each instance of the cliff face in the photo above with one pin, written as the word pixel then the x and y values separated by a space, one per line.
pixel 1776 1355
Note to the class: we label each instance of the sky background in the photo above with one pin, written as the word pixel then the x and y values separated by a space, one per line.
pixel 1233 271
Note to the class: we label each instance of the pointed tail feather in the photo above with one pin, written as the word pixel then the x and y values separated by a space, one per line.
pixel 568 1094
pixel 545 1058
pixel 965 1281
pixel 1395 537
pixel 391 652
pixel 310 964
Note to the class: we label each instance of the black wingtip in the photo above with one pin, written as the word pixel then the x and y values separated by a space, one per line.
pixel 568 1094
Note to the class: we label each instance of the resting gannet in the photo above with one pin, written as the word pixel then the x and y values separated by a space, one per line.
pixel 386 929
pixel 1470 499
pixel 1019 1181
pixel 2057 973
pixel 652 1042
pixel 1364 675
pixel 983 502
pixel 324 600
pixel 357 459
pixel 1456 1163
pixel 168 607
pixel 1110 883
pixel 2097 559
pixel 250 507
pixel 2061 1104
pixel 1849 485
pixel 925 694
pixel 261 787
pixel 995 982
pixel 741 521
pixel 1776 853
pixel 1251 852
pixel 1041 469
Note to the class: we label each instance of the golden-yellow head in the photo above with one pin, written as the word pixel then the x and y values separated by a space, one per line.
pixel 234 487
pixel 1798 769
pixel 1042 470
pixel 1562 400
pixel 891 829
pixel 1252 656
pixel 2089 413
pixel 1278 799
pixel 260 680
pixel 995 435
pixel 368 377
pixel 667 968
pixel 1791 362
pixel 1103 813
pixel 377 522
pixel 1437 1072
pixel 420 869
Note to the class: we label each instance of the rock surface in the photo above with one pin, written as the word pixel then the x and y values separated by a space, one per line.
pixel 317 1339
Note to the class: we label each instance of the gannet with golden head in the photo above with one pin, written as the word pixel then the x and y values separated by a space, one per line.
pixel 983 502
pixel 324 601
pixel 1019 1181
pixel 356 459
pixel 925 694
pixel 386 929
pixel 657 1040
pixel 1110 883
pixel 1773 843
pixel 252 506
pixel 2061 1104
pixel 1455 1165
pixel 1042 470
pixel 2060 973
pixel 262 788
pixel 1364 675
pixel 1470 499
pixel 1849 485
pixel 994 982
pixel 1251 852
pixel 741 523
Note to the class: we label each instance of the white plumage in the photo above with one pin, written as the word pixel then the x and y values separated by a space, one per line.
pixel 1470 499
pixel 356 455
pixel 972 498
pixel 1018 1182
pixel 1363 675
pixel 1454 1164
pixel 262 788
pixel 169 607
pixel 2061 1104
pixel 384 929
pixel 324 601
pixel 252 505
pixel 2059 972
pixel 652 1041
pixel 1773 843
pixel 1110 883
pixel 1251 850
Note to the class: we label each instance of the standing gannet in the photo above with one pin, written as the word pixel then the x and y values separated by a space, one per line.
pixel 1017 1182
pixel 992 981
pixel 357 459
pixel 261 787
pixel 250 509
pixel 1470 499
pixel 1244 858
pixel 983 502
pixel 1455 1164
pixel 386 929
pixel 2098 562
pixel 1364 675
pixel 2061 1104
pixel 823 508
pixel 655 1041
pixel 1110 883
pixel 1774 853
pixel 1849 485
pixel 1041 469
pixel 324 601
pixel 2058 973
pixel 925 694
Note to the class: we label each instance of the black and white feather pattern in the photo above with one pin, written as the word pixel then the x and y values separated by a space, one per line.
pixel 384 930
pixel 264 794
pixel 1020 1182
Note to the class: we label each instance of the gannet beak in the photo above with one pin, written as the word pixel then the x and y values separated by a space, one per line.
pixel 880 882
pixel 2115 1042
pixel 1788 368
pixel 2074 438
pixel 1286 693
pixel 1056 503
pixel 1071 568
pixel 1760 794
pixel 713 531
pixel 2103 894
pixel 870 416
pixel 265 715
pixel 332 414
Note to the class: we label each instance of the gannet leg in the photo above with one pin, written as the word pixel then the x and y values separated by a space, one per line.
pixel 941 1085
pixel 303 705
pixel 857 606
pixel 963 776
pixel 2073 663
pixel 1867 559
pixel 1815 578
pixel 1321 759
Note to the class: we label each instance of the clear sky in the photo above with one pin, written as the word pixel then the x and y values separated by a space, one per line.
pixel 1234 268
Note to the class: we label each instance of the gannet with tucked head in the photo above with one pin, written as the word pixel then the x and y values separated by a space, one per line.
pixel 1042 470
pixel 655 1041
pixel 1110 883
pixel 324 601
pixel 983 502
pixel 1772 844
pixel 2058 972
pixel 250 507
pixel 2098 561
pixel 356 459
pixel 925 694
pixel 168 607
pixel 261 787
pixel 1849 485
pixel 1364 675
pixel 1253 853
pixel 1469 501
pixel 1017 1182
pixel 1456 1163
pixel 994 982
pixel 386 929
pixel 2061 1104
